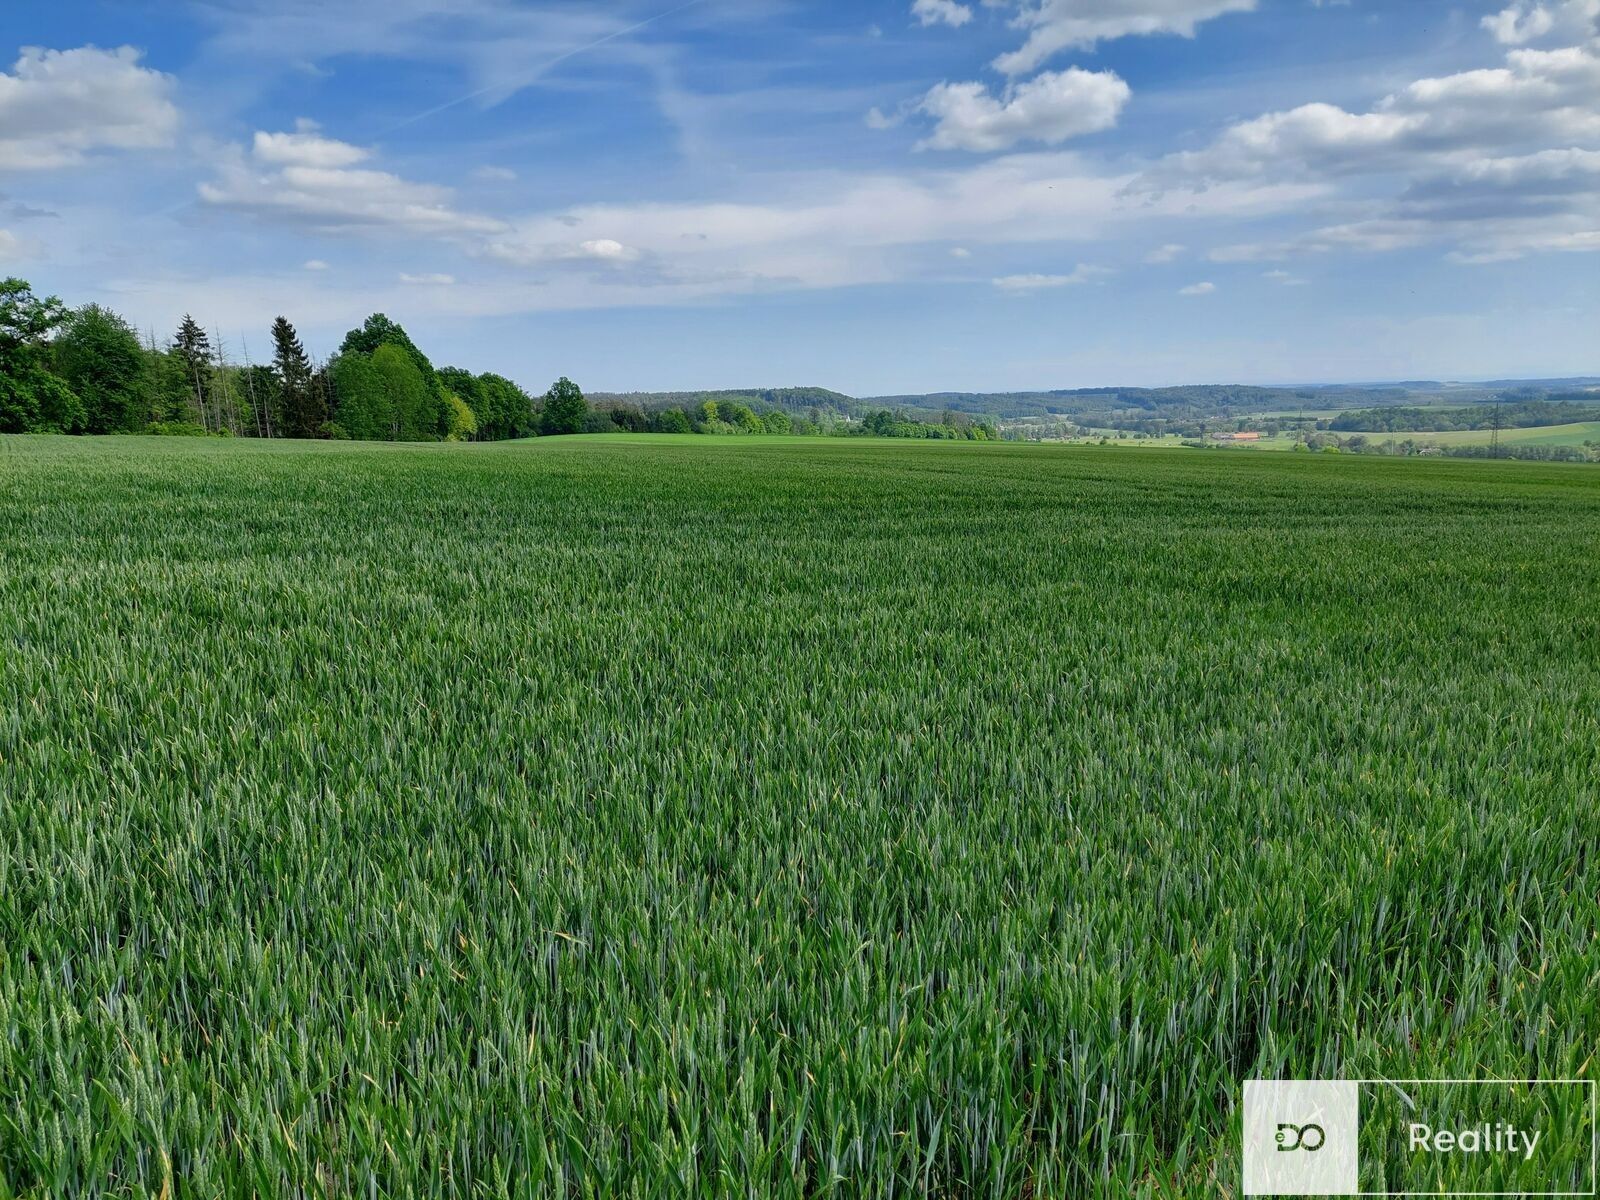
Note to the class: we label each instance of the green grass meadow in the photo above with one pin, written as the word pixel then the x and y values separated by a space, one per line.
pixel 610 817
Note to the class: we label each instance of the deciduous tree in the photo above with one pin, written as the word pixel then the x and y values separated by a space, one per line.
pixel 99 356
pixel 411 416
pixel 431 418
pixel 361 401
pixel 564 407
pixel 32 397
pixel 463 421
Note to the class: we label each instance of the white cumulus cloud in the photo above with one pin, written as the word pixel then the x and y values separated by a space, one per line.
pixel 606 249
pixel 1050 108
pixel 306 147
pixel 1538 96
pixel 1204 288
pixel 59 106
pixel 1501 161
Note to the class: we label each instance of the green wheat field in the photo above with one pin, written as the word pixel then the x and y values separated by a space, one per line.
pixel 727 818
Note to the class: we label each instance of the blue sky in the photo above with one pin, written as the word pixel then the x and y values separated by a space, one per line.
pixel 880 196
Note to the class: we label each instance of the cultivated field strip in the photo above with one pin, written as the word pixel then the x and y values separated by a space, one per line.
pixel 698 818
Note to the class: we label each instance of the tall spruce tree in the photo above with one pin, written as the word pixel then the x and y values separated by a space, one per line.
pixel 321 401
pixel 301 405
pixel 193 350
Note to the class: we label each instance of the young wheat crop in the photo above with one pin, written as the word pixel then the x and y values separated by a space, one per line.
pixel 693 817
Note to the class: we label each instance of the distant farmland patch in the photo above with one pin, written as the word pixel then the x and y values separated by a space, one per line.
pixel 1576 433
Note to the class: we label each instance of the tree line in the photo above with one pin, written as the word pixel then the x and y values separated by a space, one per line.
pixel 735 417
pixel 1412 447
pixel 86 370
pixel 1525 414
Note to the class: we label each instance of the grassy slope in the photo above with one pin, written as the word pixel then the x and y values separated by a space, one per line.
pixel 594 813
pixel 1574 434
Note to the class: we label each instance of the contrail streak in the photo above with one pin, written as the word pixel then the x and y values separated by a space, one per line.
pixel 523 80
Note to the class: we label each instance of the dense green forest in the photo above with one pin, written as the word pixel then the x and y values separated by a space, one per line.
pixel 796 410
pixel 1527 414
pixel 813 402
pixel 735 416
pixel 85 370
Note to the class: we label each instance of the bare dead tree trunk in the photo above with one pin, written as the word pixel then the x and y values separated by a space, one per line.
pixel 155 395
pixel 331 392
pixel 222 389
pixel 262 410
pixel 200 396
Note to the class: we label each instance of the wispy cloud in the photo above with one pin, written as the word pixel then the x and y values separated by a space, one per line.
pixel 941 12
pixel 1530 20
pixel 1056 25
pixel 1033 283
pixel 304 178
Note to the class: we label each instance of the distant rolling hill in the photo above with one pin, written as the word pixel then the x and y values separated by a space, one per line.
pixel 1113 406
